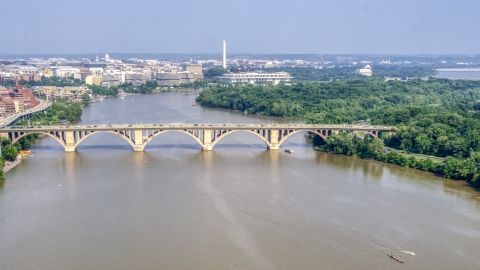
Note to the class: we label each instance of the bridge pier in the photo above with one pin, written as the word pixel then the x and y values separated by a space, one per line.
pixel 138 147
pixel 207 148
pixel 70 142
pixel 274 146
pixel 207 140
pixel 70 149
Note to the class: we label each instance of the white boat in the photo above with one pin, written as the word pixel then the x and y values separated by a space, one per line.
pixel 289 151
pixel 122 97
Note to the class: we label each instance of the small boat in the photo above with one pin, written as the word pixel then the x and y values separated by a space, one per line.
pixel 408 252
pixel 289 151
pixel 122 97
pixel 393 257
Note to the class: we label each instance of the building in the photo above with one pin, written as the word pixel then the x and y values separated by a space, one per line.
pixel 16 99
pixel 110 78
pixel 26 95
pixel 253 77
pixel 73 93
pixel 366 70
pixel 137 78
pixel 172 79
pixel 19 106
pixel 65 71
pixel 7 106
pixel 194 69
pixel 93 80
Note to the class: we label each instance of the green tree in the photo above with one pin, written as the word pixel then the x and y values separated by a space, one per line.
pixel 214 72
pixel 9 152
pixel 2 164
pixel 85 99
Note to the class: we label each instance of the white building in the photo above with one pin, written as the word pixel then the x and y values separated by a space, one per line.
pixel 366 70
pixel 254 77
pixel 65 71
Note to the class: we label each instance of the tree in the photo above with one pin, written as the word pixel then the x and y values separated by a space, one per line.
pixel 9 152
pixel 85 99
pixel 2 163
pixel 215 71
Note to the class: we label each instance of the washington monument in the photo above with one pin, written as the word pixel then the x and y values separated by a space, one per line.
pixel 224 59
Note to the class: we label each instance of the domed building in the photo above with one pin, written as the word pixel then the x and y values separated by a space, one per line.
pixel 366 70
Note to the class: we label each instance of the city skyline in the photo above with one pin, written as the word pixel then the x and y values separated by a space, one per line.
pixel 317 27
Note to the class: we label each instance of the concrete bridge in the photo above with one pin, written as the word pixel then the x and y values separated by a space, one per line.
pixel 138 136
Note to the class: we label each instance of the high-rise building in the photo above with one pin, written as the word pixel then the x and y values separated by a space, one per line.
pixel 224 59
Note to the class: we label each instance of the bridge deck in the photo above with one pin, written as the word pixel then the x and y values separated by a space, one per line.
pixel 193 126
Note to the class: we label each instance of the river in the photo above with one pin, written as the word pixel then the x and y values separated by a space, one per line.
pixel 464 75
pixel 240 206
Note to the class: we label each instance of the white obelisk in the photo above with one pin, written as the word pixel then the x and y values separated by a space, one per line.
pixel 224 60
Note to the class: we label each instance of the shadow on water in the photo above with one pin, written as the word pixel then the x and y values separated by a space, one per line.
pixel 179 146
pixel 240 145
pixel 105 146
pixel 46 147
pixel 369 168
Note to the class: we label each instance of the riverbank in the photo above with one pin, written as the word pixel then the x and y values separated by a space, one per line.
pixel 11 164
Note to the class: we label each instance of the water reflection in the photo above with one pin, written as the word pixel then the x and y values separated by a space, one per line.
pixel 369 168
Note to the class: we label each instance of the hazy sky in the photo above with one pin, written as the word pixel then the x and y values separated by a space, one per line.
pixel 248 26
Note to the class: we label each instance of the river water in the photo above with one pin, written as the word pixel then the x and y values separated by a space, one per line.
pixel 237 207
pixel 472 75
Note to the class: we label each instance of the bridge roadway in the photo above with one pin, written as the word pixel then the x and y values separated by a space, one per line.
pixel 207 135
pixel 10 119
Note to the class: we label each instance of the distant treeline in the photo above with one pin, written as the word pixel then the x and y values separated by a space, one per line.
pixel 46 81
pixel 309 74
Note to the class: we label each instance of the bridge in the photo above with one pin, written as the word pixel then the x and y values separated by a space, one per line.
pixel 206 135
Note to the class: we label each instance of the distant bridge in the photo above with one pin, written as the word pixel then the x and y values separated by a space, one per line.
pixel 207 135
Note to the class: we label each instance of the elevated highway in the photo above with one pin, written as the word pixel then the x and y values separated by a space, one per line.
pixel 206 135
pixel 11 119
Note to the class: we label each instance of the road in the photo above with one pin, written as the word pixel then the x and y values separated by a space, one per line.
pixel 179 126
pixel 7 120
pixel 409 154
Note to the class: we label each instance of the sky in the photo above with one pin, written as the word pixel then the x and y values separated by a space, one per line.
pixel 248 26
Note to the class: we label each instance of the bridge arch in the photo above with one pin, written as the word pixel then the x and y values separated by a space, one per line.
pixel 126 138
pixel 155 134
pixel 15 136
pixel 372 134
pixel 217 139
pixel 322 133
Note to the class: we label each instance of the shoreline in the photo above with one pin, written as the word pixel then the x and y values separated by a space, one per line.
pixel 467 183
pixel 11 164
